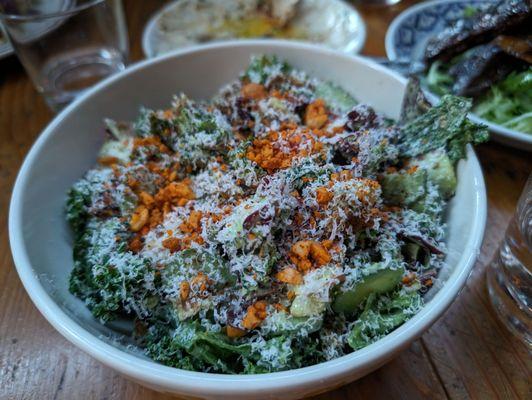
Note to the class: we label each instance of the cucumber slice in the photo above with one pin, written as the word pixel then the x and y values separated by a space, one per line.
pixel 335 96
pixel 306 306
pixel 379 280
pixel 403 188
pixel 282 323
pixel 441 172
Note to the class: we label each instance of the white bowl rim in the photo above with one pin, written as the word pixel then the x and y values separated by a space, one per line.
pixel 150 27
pixel 512 134
pixel 182 380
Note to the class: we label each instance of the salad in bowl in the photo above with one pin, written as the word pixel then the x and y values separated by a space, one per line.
pixel 278 225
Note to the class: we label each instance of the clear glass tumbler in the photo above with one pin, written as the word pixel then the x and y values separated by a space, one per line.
pixel 66 45
pixel 509 276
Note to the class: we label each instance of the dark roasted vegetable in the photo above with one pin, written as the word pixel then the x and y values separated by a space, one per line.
pixel 480 68
pixel 519 47
pixel 481 28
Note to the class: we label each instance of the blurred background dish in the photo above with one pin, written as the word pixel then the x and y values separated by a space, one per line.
pixel 5 46
pixel 409 34
pixel 188 22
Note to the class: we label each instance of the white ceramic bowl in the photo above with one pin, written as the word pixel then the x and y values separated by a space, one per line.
pixel 41 243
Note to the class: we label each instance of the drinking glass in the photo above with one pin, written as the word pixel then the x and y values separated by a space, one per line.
pixel 66 45
pixel 509 276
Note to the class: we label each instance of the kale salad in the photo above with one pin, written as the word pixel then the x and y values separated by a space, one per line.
pixel 276 226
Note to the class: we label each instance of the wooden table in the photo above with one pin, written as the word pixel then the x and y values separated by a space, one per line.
pixel 466 354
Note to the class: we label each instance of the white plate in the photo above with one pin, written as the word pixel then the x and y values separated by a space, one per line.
pixel 406 39
pixel 337 25
pixel 41 240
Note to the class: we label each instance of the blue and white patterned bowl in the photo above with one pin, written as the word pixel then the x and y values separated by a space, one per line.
pixel 407 37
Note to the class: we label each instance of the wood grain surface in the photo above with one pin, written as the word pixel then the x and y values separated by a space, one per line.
pixel 466 354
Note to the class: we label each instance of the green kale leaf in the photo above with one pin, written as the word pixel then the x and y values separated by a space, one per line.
pixel 381 315
pixel 443 126
pixel 190 347
pixel 263 67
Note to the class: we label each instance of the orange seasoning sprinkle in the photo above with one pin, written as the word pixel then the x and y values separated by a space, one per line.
pixel 184 290
pixel 255 314
pixel 135 245
pixel 173 244
pixel 408 278
pixel 319 254
pixel 108 161
pixel 367 193
pixel 316 115
pixel 193 223
pixel 306 253
pixel 139 218
pixel 253 91
pixel 174 193
pixel 146 199
pixel 200 281
pixel 280 307
pixel 191 227
pixel 278 149
pixel 290 275
pixel 328 244
pixel 233 332
pixel 151 141
pixel 323 196
pixel 412 169
pixel 151 209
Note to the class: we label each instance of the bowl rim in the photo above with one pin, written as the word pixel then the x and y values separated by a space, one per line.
pixel 148 371
pixel 150 26
pixel 389 45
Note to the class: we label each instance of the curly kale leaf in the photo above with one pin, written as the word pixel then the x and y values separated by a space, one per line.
pixel 78 201
pixel 381 315
pixel 188 263
pixel 282 353
pixel 471 133
pixel 263 67
pixel 106 276
pixel 142 126
pixel 191 130
pixel 188 346
pixel 442 126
